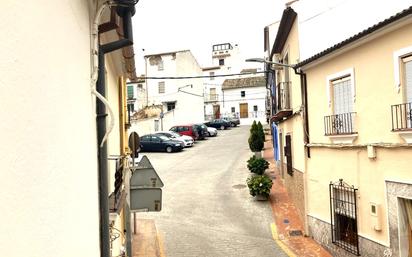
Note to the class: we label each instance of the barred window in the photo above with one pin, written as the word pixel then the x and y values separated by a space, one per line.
pixel 161 87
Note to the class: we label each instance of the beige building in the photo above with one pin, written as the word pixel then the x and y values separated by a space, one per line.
pixel 357 181
pixel 56 177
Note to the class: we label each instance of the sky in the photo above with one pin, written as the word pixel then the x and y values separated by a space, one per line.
pixel 166 25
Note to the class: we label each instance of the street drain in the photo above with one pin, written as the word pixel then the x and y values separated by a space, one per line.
pixel 295 233
pixel 239 186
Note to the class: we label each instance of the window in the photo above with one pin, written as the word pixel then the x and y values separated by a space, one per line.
pixel 288 154
pixel 407 67
pixel 221 62
pixel 139 85
pixel 233 109
pixel 342 95
pixel 171 106
pixel 255 108
pixel 156 125
pixel 242 93
pixel 160 65
pixel 212 74
pixel 161 87
pixel 130 92
pixel 344 216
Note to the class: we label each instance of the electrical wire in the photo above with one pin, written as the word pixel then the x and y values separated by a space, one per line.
pixel 204 76
pixel 95 67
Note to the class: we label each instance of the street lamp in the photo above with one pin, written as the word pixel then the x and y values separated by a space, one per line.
pixel 275 64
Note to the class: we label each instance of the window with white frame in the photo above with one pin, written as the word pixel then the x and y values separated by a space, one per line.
pixel 161 86
pixel 212 74
pixel 342 95
pixel 160 65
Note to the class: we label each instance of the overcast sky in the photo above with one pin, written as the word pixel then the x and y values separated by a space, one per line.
pixel 171 25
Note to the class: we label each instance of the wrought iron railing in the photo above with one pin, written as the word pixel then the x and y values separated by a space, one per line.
pixel 401 116
pixel 343 215
pixel 340 124
pixel 211 97
pixel 283 96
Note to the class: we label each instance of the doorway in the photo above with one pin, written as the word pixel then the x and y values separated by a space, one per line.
pixel 405 227
pixel 216 111
pixel 243 110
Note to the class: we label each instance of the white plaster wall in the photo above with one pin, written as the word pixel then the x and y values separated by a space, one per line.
pixel 189 106
pixel 48 137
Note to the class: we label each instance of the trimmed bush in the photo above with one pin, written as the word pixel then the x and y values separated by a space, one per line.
pixel 260 131
pixel 255 139
pixel 257 165
pixel 259 185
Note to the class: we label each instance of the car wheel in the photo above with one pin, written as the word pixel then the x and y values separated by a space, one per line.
pixel 169 149
pixel 222 127
pixel 209 134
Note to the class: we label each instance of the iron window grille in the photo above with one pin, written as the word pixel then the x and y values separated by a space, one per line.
pixel 401 117
pixel 343 215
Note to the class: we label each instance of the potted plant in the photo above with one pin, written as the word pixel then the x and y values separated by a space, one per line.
pixel 257 165
pixel 255 140
pixel 260 131
pixel 259 186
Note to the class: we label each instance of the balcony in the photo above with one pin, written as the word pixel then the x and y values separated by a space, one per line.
pixel 402 120
pixel 283 105
pixel 341 128
pixel 401 117
pixel 209 98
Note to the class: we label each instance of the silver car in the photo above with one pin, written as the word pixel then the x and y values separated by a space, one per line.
pixel 186 140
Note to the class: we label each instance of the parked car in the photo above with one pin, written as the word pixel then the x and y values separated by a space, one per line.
pixel 201 130
pixel 218 123
pixel 155 143
pixel 187 140
pixel 212 132
pixel 233 121
pixel 188 130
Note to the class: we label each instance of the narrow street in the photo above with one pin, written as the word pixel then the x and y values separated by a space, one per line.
pixel 207 209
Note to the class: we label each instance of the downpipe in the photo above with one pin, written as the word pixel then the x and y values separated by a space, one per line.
pixel 126 10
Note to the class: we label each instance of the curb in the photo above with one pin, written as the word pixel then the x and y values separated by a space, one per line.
pixel 279 242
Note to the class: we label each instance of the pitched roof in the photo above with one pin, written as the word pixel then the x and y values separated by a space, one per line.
pixel 286 23
pixel 259 81
pixel 167 53
pixel 358 36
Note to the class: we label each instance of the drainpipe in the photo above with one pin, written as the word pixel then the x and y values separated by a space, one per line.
pixel 125 11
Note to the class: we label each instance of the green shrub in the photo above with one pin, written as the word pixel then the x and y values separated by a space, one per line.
pixel 257 165
pixel 255 139
pixel 259 185
pixel 260 131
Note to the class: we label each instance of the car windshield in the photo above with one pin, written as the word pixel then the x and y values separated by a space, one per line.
pixel 175 135
pixel 164 137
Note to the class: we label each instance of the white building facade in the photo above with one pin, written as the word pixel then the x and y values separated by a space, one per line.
pixel 225 60
pixel 244 98
pixel 180 101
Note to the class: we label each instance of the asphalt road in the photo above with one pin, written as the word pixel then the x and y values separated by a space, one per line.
pixel 207 209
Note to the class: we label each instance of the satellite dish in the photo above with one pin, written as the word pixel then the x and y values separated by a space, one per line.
pixel 134 144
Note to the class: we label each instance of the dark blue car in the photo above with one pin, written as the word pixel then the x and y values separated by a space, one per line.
pixel 159 143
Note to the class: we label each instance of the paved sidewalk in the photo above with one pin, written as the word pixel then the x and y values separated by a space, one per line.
pixel 147 242
pixel 286 216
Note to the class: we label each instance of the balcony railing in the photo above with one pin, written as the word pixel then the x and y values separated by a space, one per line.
pixel 211 97
pixel 283 90
pixel 340 124
pixel 402 117
pixel 283 104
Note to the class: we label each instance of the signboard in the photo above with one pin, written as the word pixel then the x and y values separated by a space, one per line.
pixel 145 199
pixel 144 175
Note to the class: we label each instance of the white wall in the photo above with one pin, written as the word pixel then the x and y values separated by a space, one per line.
pixel 47 133
pixel 189 106
pixel 253 96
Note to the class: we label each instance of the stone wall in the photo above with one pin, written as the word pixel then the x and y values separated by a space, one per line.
pixel 320 231
pixel 294 186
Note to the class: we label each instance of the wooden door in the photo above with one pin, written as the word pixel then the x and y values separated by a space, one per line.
pixel 288 154
pixel 243 110
pixel 216 111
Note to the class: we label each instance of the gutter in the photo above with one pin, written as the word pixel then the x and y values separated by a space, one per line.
pixel 125 9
